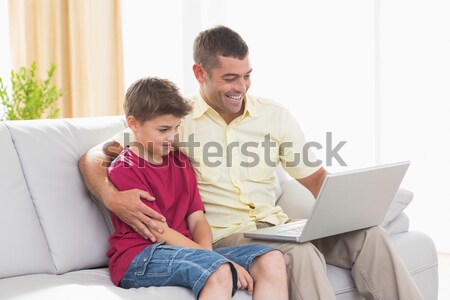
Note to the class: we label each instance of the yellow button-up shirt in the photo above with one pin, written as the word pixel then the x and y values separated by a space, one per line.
pixel 235 163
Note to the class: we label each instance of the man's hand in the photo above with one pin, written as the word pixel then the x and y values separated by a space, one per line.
pixel 245 281
pixel 127 205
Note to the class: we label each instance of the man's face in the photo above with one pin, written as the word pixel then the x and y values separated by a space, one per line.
pixel 225 86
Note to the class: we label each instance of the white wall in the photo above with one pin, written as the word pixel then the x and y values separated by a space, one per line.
pixel 152 40
pixel 415 97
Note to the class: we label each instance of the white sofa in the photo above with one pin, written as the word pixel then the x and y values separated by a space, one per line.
pixel 54 236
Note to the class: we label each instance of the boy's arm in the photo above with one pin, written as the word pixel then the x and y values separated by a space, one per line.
pixel 173 237
pixel 200 229
pixel 127 205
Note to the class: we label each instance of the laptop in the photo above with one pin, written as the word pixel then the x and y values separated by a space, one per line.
pixel 346 202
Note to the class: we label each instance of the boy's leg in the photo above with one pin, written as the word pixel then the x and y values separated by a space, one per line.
pixel 265 265
pixel 305 266
pixel 270 277
pixel 208 274
pixel 376 269
pixel 218 285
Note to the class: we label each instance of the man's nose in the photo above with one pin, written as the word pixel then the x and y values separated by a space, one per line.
pixel 240 85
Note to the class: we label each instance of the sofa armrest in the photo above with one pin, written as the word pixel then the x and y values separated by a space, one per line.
pixel 399 225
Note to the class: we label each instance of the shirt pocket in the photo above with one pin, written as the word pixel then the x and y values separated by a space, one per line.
pixel 263 168
pixel 207 169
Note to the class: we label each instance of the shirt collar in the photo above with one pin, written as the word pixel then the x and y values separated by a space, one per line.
pixel 201 107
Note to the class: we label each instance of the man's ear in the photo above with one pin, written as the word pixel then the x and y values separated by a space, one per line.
pixel 199 72
pixel 132 123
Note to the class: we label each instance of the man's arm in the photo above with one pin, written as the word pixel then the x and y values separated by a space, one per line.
pixel 127 205
pixel 314 181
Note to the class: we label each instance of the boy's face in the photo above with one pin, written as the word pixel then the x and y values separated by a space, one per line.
pixel 154 137
pixel 225 87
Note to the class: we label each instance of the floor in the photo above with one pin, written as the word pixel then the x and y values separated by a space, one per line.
pixel 444 276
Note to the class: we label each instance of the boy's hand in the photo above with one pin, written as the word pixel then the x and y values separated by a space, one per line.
pixel 127 205
pixel 245 280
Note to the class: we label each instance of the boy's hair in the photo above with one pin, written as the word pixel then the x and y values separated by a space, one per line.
pixel 151 97
pixel 218 41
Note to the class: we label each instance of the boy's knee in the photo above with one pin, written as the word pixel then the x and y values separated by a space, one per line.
pixel 271 262
pixel 222 276
pixel 272 257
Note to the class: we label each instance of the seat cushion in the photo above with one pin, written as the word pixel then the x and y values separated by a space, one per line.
pixel 87 285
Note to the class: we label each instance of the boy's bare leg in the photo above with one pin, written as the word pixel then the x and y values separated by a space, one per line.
pixel 219 285
pixel 270 277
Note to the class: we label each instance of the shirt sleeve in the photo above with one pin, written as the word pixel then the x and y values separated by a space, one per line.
pixel 125 178
pixel 296 156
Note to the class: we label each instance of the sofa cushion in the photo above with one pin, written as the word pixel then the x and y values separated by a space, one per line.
pixel 87 285
pixel 49 151
pixel 401 201
pixel 24 248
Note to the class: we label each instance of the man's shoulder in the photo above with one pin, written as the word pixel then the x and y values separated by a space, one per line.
pixel 266 107
pixel 257 100
pixel 124 137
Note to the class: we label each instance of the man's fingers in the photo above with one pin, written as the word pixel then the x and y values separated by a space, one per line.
pixel 146 196
pixel 144 231
pixel 151 214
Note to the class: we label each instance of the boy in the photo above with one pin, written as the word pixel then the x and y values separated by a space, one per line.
pixel 182 254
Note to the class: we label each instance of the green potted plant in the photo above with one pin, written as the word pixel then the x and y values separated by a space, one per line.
pixel 31 97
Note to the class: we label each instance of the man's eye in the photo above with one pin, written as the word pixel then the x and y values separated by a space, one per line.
pixel 229 79
pixel 163 130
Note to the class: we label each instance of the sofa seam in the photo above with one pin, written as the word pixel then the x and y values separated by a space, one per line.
pixel 423 268
pixel 31 197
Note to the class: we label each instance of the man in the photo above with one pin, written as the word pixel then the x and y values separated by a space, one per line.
pixel 235 141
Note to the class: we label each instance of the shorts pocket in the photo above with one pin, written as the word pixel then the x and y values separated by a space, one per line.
pixel 157 262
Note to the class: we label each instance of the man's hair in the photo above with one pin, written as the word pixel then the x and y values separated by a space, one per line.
pixel 148 98
pixel 218 41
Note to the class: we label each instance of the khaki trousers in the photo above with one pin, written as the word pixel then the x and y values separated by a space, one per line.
pixel 377 271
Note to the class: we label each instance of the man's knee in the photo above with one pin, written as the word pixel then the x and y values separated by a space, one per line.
pixel 377 232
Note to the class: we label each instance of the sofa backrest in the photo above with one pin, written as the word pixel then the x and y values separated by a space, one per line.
pixel 49 222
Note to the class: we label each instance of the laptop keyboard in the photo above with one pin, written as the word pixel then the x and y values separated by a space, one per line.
pixel 292 229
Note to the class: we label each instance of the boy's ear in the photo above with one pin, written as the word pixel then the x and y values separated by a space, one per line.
pixel 132 123
pixel 199 72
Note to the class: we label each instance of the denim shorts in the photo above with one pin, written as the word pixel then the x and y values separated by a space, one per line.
pixel 163 265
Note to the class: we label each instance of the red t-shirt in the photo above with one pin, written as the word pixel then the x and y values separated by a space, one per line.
pixel 174 186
